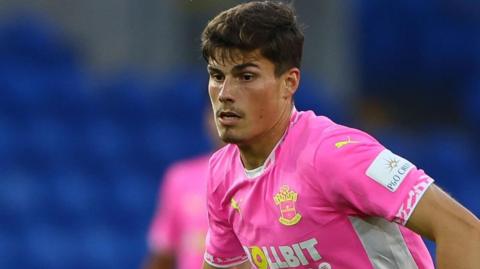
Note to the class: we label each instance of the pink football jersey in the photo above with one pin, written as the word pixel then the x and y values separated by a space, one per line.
pixel 327 197
pixel 180 223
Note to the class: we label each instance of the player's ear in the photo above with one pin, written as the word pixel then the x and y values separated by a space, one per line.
pixel 291 81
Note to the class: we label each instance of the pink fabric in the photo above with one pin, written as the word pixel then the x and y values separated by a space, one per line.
pixel 297 213
pixel 180 223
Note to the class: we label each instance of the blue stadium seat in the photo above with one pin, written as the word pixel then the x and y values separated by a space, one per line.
pixel 21 92
pixel 51 246
pixel 21 191
pixel 448 51
pixel 181 98
pixel 81 159
pixel 98 245
pixel 11 254
pixel 133 190
pixel 450 156
pixel 8 140
pixel 50 137
pixel 31 39
pixel 172 141
pixel 105 139
pixel 74 190
pixel 417 47
pixel 313 95
pixel 470 104
pixel 124 98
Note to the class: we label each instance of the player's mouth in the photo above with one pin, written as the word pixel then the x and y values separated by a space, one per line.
pixel 228 117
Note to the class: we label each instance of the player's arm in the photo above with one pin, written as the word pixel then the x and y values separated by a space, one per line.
pixel 245 265
pixel 159 261
pixel 454 229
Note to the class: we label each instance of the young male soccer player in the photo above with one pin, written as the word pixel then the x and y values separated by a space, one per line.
pixel 296 190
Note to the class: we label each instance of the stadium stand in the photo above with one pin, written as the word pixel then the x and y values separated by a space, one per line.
pixel 80 157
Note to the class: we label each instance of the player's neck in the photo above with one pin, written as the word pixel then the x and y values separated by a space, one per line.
pixel 255 153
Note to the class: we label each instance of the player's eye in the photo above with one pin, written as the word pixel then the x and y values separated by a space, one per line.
pixel 217 77
pixel 247 76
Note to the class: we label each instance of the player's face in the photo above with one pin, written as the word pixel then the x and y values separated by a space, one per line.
pixel 248 100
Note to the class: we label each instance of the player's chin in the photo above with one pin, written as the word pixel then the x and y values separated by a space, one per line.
pixel 230 137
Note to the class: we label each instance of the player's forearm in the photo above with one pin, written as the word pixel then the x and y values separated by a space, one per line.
pixel 455 230
pixel 461 250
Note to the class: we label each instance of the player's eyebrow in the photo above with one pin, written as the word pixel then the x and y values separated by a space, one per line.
pixel 212 69
pixel 240 67
pixel 236 69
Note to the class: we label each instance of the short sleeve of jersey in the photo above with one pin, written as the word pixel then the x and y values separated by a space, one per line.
pixel 164 229
pixel 223 248
pixel 363 178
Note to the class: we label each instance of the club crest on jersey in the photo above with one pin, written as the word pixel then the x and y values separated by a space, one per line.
pixel 286 200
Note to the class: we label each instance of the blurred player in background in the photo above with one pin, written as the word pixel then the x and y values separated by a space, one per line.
pixel 177 234
pixel 296 190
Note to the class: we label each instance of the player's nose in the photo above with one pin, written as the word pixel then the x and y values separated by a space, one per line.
pixel 226 91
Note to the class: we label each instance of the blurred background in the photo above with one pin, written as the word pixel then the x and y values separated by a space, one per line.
pixel 97 98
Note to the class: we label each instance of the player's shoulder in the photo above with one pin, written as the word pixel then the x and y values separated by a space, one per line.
pixel 193 165
pixel 221 163
pixel 322 129
pixel 223 155
pixel 342 135
pixel 341 146
pixel 313 125
pixel 329 137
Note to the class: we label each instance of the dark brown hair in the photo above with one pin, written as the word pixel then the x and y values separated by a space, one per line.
pixel 268 26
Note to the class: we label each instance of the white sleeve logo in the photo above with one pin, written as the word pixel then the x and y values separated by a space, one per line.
pixel 389 169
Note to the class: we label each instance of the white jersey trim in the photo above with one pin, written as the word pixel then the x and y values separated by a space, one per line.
pixel 253 173
pixel 414 196
pixel 223 265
